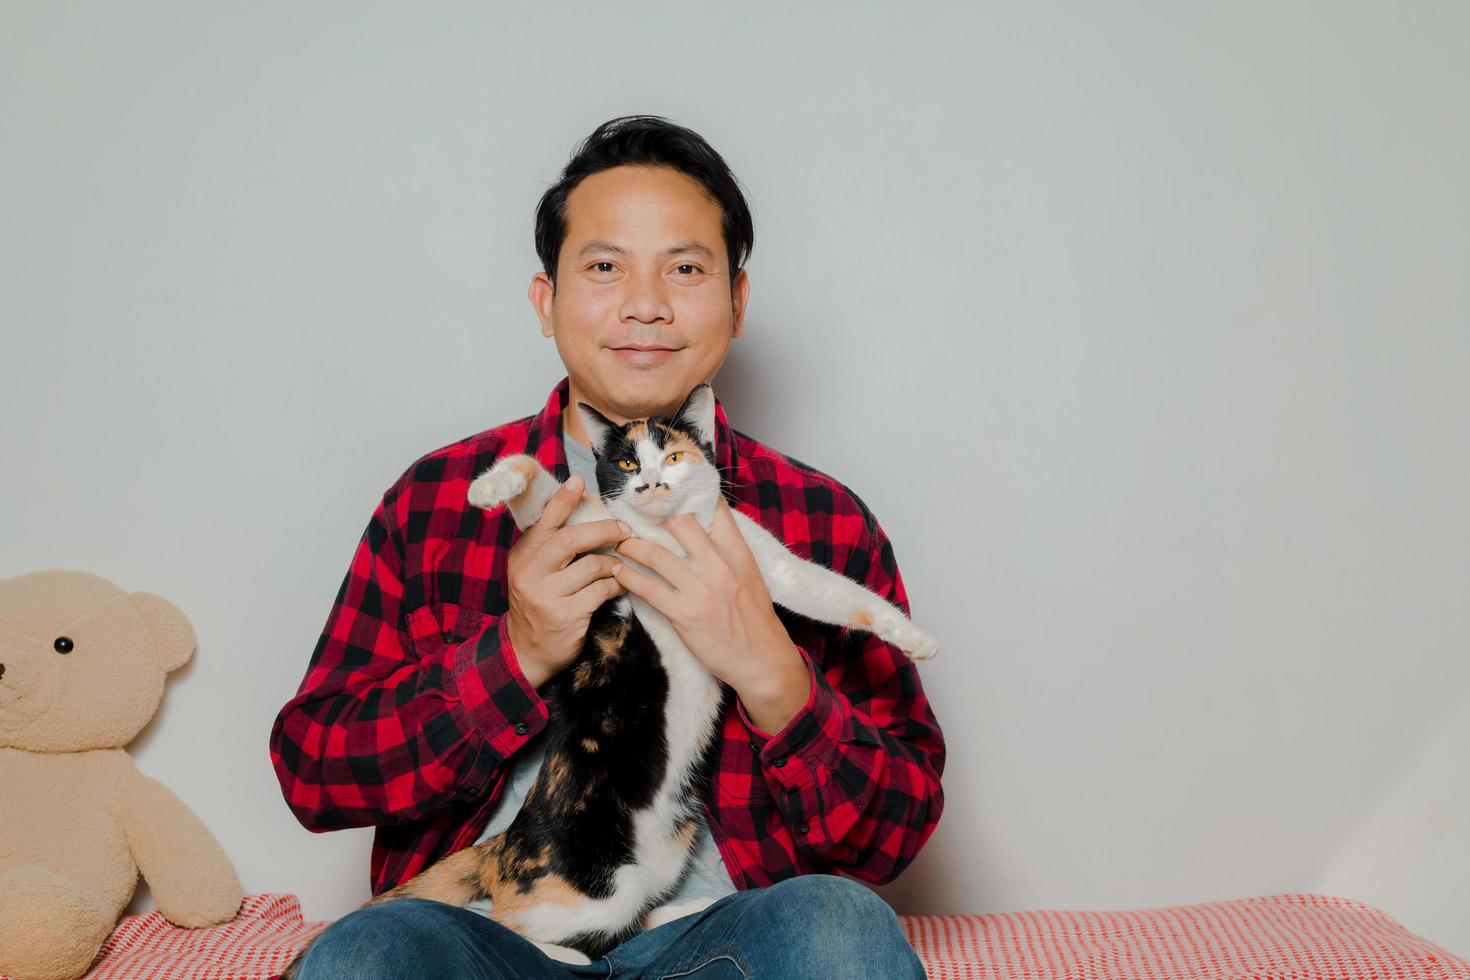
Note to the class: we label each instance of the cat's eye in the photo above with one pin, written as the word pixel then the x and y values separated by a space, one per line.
pixel 673 458
pixel 63 644
pixel 627 466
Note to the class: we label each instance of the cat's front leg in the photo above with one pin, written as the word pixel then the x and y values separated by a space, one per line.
pixel 520 482
pixel 892 626
pixel 819 593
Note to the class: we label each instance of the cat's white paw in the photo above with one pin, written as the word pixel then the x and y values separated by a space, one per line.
pixel 563 954
pixel 919 644
pixel 504 481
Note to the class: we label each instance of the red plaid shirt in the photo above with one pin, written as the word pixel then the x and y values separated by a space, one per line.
pixel 414 701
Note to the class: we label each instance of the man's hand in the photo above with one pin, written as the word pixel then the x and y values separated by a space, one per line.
pixel 552 596
pixel 717 602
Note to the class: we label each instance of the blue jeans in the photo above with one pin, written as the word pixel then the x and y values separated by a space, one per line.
pixel 812 926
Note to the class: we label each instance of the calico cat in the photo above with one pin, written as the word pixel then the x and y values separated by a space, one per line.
pixel 609 823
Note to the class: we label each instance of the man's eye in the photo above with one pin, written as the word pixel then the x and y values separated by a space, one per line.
pixel 599 266
pixel 695 268
pixel 627 466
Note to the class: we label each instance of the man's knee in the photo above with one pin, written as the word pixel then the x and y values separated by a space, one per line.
pixel 840 903
pixel 373 942
pixel 834 925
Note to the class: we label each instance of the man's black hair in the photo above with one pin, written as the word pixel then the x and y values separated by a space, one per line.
pixel 646 141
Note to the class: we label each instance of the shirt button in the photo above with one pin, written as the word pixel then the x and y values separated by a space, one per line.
pixel 803 829
pixel 448 636
pixel 780 762
pixel 520 728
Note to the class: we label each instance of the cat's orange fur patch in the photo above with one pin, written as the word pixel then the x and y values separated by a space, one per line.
pixel 556 773
pixel 455 880
pixel 528 469
pixel 581 675
pixel 677 442
pixel 514 868
pixel 510 904
pixel 610 642
pixel 583 799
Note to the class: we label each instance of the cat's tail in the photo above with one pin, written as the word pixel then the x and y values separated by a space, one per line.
pixel 455 880
pixel 458 879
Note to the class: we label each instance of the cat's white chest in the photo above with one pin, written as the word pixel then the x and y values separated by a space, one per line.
pixel 694 694
pixel 691 715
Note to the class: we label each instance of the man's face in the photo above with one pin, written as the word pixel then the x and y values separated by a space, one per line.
pixel 643 308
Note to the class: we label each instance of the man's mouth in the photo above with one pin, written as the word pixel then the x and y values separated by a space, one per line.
pixel 643 355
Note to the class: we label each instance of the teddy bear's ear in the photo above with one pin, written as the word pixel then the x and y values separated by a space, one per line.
pixel 173 634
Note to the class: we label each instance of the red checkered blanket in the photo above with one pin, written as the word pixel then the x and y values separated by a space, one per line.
pixel 1282 937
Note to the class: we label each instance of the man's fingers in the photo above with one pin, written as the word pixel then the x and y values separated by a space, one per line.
pixel 583 572
pixel 582 538
pixel 658 558
pixel 725 533
pixel 590 598
pixel 692 539
pixel 559 507
pixel 651 591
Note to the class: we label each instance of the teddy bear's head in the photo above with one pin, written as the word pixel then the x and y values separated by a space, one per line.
pixel 82 662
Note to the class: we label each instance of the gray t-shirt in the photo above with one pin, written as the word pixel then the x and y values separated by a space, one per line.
pixel 705 876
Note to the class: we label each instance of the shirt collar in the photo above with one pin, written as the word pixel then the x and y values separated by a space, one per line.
pixel 544 440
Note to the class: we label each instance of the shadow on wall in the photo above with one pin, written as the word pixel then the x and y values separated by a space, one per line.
pixel 1414 842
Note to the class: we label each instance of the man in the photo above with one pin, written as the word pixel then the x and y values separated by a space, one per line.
pixel 420 712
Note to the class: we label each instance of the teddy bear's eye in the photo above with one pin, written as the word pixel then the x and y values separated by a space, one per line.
pixel 63 644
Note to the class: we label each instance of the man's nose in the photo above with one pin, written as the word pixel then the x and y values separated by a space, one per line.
pixel 647 300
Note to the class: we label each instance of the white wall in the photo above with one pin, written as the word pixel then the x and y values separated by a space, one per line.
pixel 1170 299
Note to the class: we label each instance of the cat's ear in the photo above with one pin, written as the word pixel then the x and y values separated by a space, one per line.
pixel 598 426
pixel 698 412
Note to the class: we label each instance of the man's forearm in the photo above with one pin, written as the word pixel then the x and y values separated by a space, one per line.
pixel 776 690
pixel 353 751
pixel 858 797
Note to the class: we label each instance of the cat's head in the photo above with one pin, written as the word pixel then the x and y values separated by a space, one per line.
pixel 650 469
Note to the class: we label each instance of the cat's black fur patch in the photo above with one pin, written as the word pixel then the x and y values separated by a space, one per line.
pixel 583 818
pixel 618 446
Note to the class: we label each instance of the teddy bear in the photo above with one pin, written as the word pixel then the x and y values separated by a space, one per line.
pixel 82 668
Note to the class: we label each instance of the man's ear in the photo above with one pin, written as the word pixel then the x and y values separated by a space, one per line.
pixel 599 427
pixel 541 292
pixel 739 296
pixel 698 412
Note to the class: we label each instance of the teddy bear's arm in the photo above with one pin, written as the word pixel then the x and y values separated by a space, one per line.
pixel 190 877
